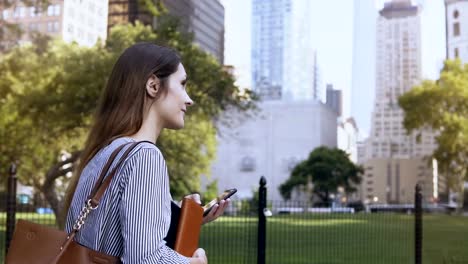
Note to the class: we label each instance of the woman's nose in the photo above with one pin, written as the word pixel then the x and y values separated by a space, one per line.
pixel 189 102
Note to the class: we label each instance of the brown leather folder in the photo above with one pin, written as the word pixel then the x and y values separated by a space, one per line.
pixel 189 227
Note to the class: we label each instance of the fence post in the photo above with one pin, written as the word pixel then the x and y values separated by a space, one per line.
pixel 262 194
pixel 418 225
pixel 11 206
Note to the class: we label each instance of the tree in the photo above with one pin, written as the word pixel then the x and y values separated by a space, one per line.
pixel 48 95
pixel 442 105
pixel 327 169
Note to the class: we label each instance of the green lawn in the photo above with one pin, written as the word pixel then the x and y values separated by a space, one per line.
pixel 327 239
pixel 334 239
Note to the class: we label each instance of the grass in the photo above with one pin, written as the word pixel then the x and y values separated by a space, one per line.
pixel 326 239
pixel 336 239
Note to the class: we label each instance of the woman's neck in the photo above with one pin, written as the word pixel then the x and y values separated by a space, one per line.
pixel 150 129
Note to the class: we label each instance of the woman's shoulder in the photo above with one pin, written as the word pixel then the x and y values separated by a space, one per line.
pixel 144 150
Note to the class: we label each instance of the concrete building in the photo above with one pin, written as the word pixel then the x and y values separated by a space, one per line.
pixel 457 29
pixel 32 20
pixel 85 21
pixel 203 18
pixel 284 62
pixel 361 146
pixel 125 11
pixel 270 144
pixel 457 45
pixel 394 180
pixel 82 21
pixel 334 99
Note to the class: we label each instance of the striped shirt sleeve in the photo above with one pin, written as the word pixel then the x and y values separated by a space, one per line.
pixel 145 210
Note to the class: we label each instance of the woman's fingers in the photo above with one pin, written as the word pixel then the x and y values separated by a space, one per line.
pixel 195 197
pixel 217 211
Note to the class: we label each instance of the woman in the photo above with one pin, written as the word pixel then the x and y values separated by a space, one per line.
pixel 144 94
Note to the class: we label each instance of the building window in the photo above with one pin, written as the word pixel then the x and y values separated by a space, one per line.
pixel 56 26
pixel 80 33
pixel 456 29
pixel 53 10
pixel 5 14
pixel 247 164
pixel 50 26
pixel 16 13
pixel 50 10
pixel 33 26
pixel 455 52
pixel 455 14
pixel 32 11
pixel 22 11
pixel 57 10
pixel 70 28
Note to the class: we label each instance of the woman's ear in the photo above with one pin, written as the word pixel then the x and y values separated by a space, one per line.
pixel 152 86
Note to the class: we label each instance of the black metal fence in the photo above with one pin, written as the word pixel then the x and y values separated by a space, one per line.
pixel 262 231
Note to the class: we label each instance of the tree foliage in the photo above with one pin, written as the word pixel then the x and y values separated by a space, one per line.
pixel 327 169
pixel 48 96
pixel 443 106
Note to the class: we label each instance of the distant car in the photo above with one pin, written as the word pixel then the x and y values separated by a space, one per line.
pixel 42 210
pixel 357 205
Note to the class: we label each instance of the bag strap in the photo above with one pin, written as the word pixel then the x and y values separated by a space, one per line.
pixel 103 182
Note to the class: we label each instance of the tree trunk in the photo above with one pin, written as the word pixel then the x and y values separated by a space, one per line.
pixel 48 187
pixel 461 192
pixel 323 197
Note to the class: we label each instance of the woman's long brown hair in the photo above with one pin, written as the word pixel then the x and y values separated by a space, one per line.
pixel 121 107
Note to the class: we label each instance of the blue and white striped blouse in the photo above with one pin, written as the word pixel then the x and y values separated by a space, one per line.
pixel 134 214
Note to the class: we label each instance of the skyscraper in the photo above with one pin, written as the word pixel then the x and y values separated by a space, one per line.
pixel 203 18
pixel 457 29
pixel 334 99
pixel 283 58
pixel 398 69
pixel 394 160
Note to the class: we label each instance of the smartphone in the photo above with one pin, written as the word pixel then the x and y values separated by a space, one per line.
pixel 226 194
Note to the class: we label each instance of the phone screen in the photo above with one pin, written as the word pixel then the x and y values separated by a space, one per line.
pixel 226 194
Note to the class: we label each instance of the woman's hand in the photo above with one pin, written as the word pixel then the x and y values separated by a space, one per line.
pixel 199 257
pixel 193 196
pixel 216 211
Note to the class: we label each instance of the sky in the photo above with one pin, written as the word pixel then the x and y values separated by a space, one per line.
pixel 333 37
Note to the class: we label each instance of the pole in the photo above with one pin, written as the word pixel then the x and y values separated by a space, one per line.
pixel 262 193
pixel 418 225
pixel 11 206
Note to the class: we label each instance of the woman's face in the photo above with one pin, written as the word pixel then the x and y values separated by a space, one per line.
pixel 172 106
